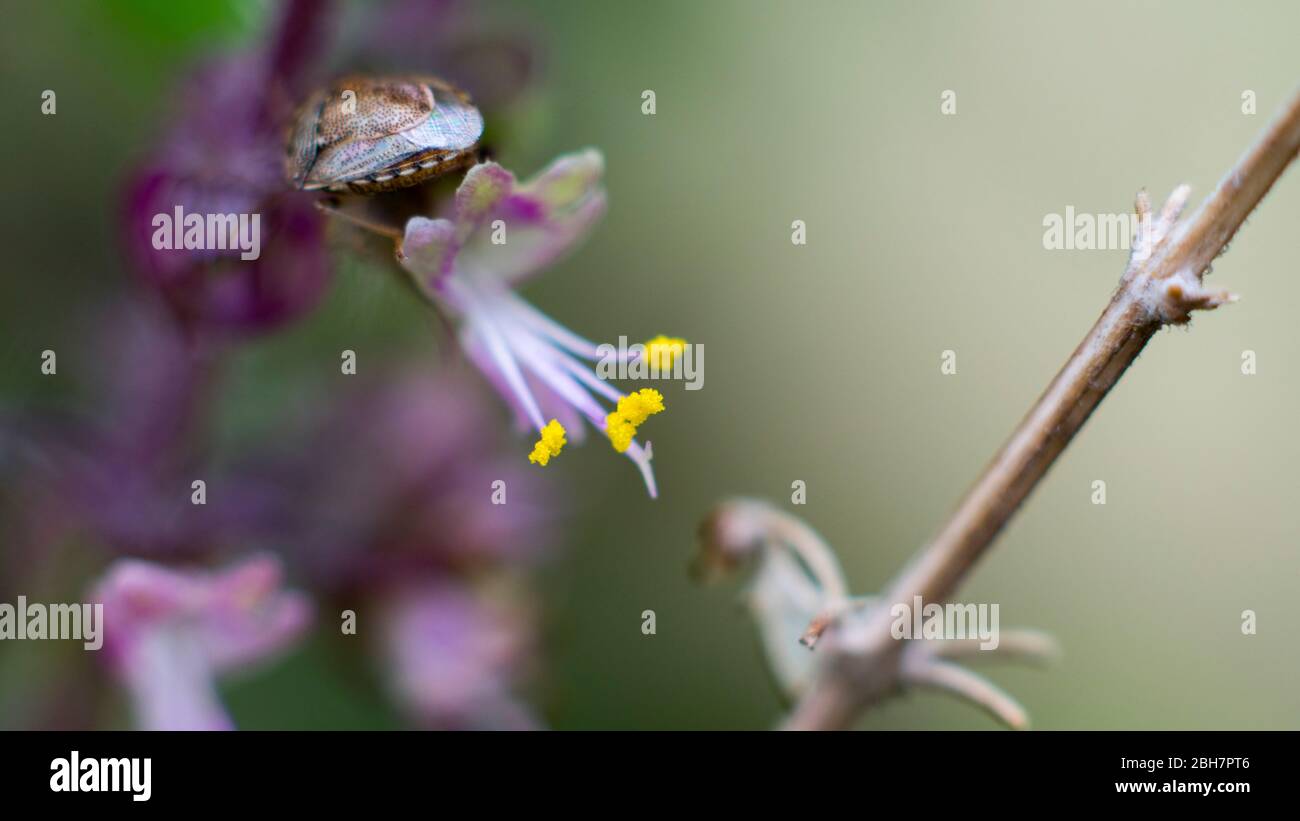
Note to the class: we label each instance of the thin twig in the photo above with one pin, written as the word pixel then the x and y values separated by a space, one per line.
pixel 1161 286
pixel 1033 646
pixel 958 681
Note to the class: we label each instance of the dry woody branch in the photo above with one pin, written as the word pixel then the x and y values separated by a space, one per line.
pixel 860 661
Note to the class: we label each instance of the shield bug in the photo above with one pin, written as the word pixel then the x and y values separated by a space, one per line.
pixel 372 134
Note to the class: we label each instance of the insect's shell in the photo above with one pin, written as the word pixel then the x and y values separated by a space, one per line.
pixel 389 132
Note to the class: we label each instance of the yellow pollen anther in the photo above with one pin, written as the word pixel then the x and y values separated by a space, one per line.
pixel 551 443
pixel 620 431
pixel 662 351
pixel 639 406
pixel 632 411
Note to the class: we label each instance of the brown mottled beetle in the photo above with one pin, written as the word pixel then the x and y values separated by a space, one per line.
pixel 373 134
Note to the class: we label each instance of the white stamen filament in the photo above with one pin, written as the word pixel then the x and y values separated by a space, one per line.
pixel 480 322
pixel 514 333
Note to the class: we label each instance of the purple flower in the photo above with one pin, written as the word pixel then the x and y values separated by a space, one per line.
pixel 169 634
pixel 453 654
pixel 401 476
pixel 400 504
pixel 222 154
pixel 123 468
pixel 499 233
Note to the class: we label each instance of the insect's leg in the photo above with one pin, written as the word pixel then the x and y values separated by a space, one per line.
pixel 335 208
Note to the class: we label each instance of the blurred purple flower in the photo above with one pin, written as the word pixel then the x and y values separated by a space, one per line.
pixel 169 634
pixel 397 479
pixel 453 655
pixel 124 472
pixel 400 500
pixel 466 263
pixel 223 155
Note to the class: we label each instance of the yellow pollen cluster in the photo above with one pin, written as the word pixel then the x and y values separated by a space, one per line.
pixel 551 443
pixel 632 410
pixel 662 351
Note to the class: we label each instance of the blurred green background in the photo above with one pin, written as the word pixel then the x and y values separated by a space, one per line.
pixel 924 234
